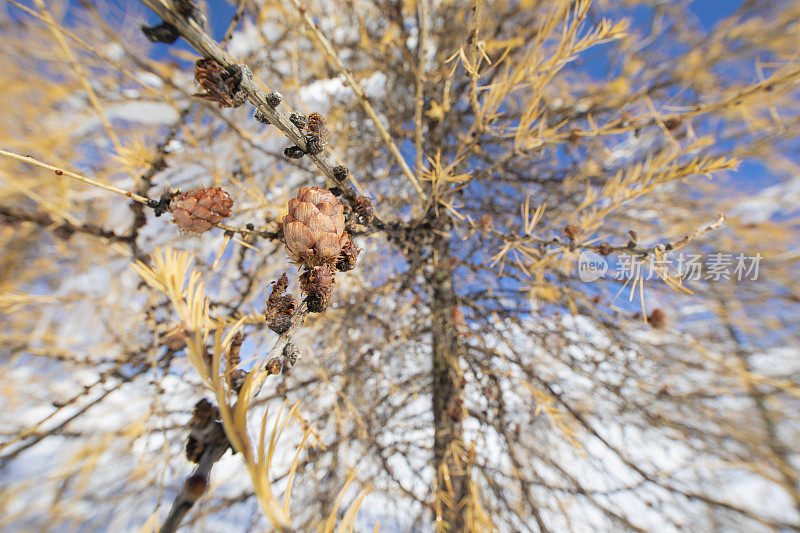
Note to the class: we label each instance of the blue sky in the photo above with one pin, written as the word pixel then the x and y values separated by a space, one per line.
pixel 709 12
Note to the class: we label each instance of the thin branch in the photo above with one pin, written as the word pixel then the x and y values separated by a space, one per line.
pixel 234 21
pixel 65 228
pixel 602 248
pixel 370 111
pixel 419 98
pixel 61 172
pixel 474 56
pixel 693 235
pixel 264 233
pixel 79 71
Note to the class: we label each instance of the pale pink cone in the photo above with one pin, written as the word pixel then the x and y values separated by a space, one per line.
pixel 314 227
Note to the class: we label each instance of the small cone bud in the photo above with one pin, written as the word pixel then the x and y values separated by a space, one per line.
pixel 362 207
pixel 204 413
pixel 658 319
pixel 294 152
pixel 194 449
pixel 291 353
pixel 195 486
pixel 347 259
pixel 274 366
pixel 280 306
pixel 175 338
pixel 204 430
pixel 317 283
pixel 572 231
pixel 236 376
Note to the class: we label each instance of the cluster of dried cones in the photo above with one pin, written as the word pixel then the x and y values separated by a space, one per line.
pixel 315 130
pixel 316 237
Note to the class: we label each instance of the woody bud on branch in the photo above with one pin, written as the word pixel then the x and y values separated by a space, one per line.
pixel 222 84
pixel 315 235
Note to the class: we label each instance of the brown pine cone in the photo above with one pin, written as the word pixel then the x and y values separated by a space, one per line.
pixel 197 211
pixel 314 227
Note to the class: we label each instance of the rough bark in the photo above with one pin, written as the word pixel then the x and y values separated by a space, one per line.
pixel 451 481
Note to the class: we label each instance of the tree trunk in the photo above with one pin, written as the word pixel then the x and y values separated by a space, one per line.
pixel 448 385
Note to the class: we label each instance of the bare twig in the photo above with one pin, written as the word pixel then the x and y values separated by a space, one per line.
pixel 696 233
pixel 61 172
pixel 419 97
pixel 64 228
pixel 561 245
pixel 234 21
pixel 79 71
pixel 157 164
